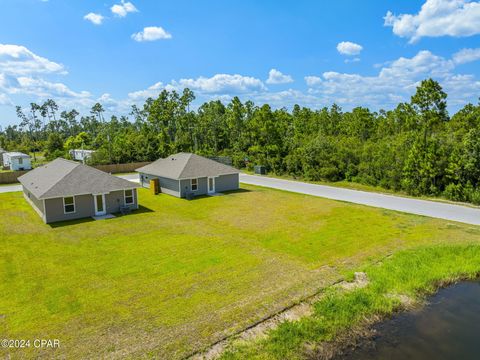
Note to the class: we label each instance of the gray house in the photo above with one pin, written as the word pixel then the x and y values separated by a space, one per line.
pixel 66 190
pixel 185 173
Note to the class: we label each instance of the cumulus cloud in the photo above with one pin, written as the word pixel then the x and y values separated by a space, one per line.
pixel 395 82
pixel 349 48
pixel 151 33
pixel 151 91
pixel 437 18
pixel 466 55
pixel 25 74
pixel 221 83
pixel 18 60
pixel 123 9
pixel 312 80
pixel 44 88
pixel 276 77
pixel 96 19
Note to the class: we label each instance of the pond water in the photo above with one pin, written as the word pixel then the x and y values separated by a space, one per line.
pixel 447 328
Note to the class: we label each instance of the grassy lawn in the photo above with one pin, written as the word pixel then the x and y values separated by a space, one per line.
pixel 339 315
pixel 177 275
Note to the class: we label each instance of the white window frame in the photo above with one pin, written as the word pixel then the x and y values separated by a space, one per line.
pixel 20 161
pixel 125 197
pixel 74 205
pixel 196 184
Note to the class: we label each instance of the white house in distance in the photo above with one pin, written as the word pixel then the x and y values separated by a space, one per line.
pixel 16 161
pixel 80 154
pixel 1 156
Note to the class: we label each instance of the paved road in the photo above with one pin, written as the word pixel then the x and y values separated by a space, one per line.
pixel 10 188
pixel 414 206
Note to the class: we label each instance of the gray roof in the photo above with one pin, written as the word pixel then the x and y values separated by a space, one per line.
pixel 186 166
pixel 61 178
pixel 17 154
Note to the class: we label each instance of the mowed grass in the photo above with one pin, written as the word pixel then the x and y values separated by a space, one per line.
pixel 412 273
pixel 177 275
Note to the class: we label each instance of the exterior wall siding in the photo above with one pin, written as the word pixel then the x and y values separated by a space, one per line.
pixel 186 186
pixel 227 183
pixel 116 199
pixel 15 164
pixel 171 186
pixel 36 204
pixel 167 186
pixel 85 206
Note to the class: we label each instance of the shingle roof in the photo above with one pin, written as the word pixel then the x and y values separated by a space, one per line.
pixel 186 166
pixel 62 177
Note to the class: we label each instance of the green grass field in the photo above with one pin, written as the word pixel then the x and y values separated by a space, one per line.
pixel 339 315
pixel 177 275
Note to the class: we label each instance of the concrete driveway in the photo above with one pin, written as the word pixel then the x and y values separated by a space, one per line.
pixel 434 209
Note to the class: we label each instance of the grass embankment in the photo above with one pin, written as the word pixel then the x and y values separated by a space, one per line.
pixel 412 273
pixel 178 275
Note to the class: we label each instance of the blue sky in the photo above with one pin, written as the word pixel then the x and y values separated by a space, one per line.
pixel 354 53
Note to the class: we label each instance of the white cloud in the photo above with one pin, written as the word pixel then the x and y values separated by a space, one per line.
pixel 18 60
pixel 312 80
pixel 437 18
pixel 466 55
pixel 276 77
pixel 349 48
pixel 151 33
pixel 285 98
pixel 5 100
pixel 123 9
pixel 43 88
pixel 352 60
pixel 221 83
pixel 151 91
pixel 395 82
pixel 96 19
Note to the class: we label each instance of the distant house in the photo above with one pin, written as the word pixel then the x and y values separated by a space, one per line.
pixel 67 190
pixel 1 156
pixel 80 154
pixel 16 161
pixel 186 173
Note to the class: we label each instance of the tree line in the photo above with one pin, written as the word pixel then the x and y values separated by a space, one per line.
pixel 416 147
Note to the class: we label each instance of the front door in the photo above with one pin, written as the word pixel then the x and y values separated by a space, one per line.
pixel 211 185
pixel 100 208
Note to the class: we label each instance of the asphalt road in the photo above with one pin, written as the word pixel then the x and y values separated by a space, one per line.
pixel 434 209
pixel 464 214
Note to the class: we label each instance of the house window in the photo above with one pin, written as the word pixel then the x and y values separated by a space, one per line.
pixel 69 205
pixel 194 184
pixel 20 161
pixel 129 197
